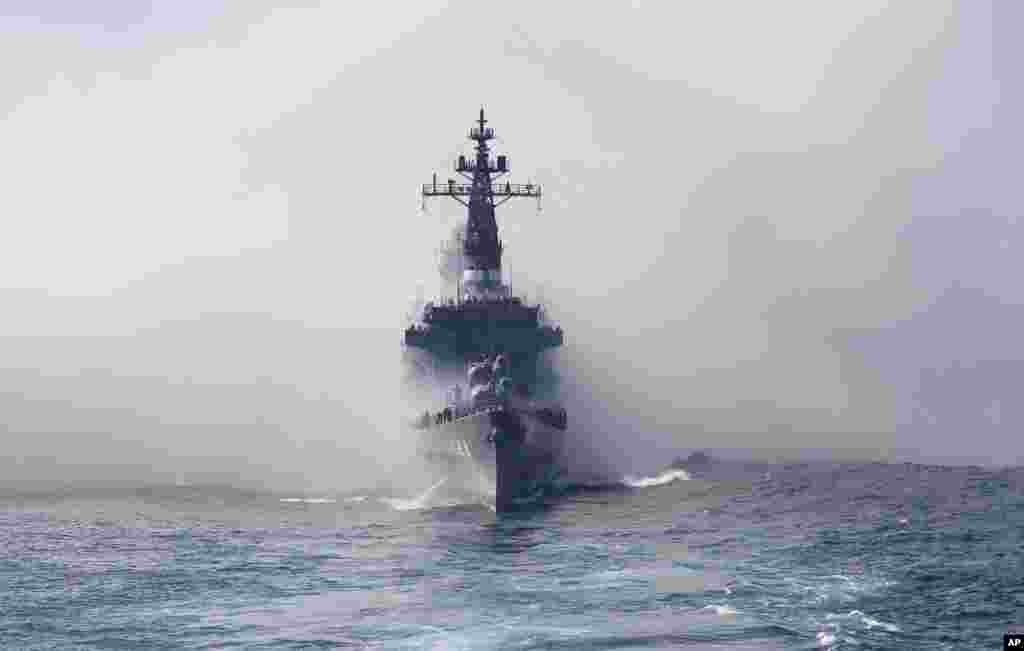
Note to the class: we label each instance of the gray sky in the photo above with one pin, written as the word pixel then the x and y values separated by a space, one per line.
pixel 784 226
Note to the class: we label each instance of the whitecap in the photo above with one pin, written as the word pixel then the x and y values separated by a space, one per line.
pixel 826 639
pixel 666 477
pixel 416 503
pixel 871 623
pixel 865 620
pixel 719 610
pixel 309 500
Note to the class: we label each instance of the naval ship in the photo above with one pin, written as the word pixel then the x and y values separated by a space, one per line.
pixel 475 352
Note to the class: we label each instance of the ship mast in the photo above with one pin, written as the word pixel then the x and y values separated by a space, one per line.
pixel 482 247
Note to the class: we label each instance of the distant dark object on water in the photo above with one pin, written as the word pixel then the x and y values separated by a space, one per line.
pixel 698 458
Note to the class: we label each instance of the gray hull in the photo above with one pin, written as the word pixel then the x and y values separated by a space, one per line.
pixel 513 452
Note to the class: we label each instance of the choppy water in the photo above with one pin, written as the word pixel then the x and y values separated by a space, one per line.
pixel 738 556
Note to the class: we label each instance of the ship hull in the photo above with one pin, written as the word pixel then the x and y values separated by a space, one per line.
pixel 511 453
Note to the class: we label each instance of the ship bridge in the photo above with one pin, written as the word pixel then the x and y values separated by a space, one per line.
pixel 459 329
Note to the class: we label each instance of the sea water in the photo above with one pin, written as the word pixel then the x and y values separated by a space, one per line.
pixel 732 556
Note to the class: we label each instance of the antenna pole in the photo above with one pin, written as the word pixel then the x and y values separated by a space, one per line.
pixel 482 248
pixel 500 191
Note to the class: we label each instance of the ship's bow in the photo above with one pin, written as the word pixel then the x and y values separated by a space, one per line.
pixel 528 453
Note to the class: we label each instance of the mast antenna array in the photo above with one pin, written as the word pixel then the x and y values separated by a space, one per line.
pixel 481 173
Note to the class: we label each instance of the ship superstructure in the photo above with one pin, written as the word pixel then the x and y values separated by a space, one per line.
pixel 486 342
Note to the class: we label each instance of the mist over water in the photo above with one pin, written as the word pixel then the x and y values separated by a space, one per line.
pixel 768 258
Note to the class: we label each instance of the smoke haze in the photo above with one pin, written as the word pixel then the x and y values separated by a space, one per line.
pixel 780 230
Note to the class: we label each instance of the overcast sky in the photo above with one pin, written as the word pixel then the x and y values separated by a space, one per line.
pixel 766 226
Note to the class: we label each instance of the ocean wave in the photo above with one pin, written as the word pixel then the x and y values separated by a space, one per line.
pixel 666 477
pixel 719 610
pixel 865 620
pixel 309 500
pixel 627 481
pixel 423 501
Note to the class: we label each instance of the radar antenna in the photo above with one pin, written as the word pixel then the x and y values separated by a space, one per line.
pixel 481 248
pixel 481 174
